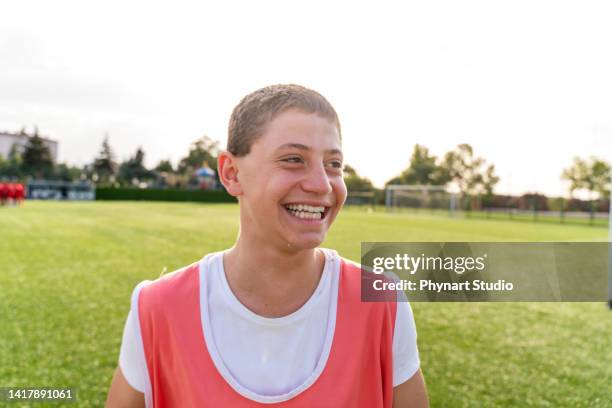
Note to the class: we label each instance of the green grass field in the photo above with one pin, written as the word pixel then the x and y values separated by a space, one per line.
pixel 68 270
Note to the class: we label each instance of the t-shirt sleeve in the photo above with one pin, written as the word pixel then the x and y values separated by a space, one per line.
pixel 405 352
pixel 131 356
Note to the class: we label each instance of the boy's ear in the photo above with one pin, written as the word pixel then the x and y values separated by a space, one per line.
pixel 228 173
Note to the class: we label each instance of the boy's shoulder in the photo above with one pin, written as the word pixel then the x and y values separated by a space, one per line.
pixel 173 284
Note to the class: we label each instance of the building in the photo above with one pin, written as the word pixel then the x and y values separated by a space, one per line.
pixel 7 140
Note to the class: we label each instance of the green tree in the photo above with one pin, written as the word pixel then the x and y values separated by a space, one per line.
pixel 133 170
pixel 3 165
pixel 65 172
pixel 15 155
pixel 203 150
pixel 164 166
pixel 423 169
pixel 592 175
pixel 12 165
pixel 354 182
pixel 105 165
pixel 37 160
pixel 471 174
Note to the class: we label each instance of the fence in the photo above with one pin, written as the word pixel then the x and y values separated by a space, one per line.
pixel 561 217
pixel 155 194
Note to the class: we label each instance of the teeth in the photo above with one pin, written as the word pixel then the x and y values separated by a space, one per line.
pixel 304 214
pixel 306 208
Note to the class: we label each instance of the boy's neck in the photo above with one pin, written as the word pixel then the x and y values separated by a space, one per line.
pixel 269 281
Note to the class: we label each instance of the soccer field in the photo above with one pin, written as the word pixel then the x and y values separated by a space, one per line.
pixel 68 270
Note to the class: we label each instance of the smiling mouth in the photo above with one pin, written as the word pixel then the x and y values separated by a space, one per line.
pixel 307 212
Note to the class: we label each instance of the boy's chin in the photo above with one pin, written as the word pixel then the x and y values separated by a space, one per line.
pixel 304 243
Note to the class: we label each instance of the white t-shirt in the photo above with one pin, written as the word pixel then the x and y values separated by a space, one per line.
pixel 266 359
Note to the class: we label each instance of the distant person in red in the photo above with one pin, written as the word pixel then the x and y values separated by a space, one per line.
pixel 3 193
pixel 19 193
pixel 11 192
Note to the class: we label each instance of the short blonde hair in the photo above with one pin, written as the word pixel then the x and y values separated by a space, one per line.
pixel 258 108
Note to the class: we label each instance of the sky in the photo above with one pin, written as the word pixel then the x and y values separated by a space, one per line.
pixel 527 83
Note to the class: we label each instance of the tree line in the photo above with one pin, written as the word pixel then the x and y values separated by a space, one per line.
pixel 475 177
pixel 108 172
pixel 34 161
pixel 472 175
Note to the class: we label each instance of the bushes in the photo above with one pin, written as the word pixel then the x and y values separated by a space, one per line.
pixel 152 194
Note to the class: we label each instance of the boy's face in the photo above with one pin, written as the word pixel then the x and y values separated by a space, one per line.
pixel 292 182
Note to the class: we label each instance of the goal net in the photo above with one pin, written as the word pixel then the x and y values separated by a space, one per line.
pixel 420 197
pixel 361 198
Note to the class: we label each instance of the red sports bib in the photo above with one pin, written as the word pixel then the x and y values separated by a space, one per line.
pixel 358 372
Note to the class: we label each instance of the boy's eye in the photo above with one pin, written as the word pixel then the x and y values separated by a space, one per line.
pixel 293 159
pixel 336 164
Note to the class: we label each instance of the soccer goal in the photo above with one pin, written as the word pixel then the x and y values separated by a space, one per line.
pixel 434 198
pixel 361 198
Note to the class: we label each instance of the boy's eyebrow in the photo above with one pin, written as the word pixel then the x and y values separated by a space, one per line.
pixel 304 147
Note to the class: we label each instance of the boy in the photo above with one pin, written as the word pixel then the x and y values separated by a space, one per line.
pixel 19 193
pixel 274 320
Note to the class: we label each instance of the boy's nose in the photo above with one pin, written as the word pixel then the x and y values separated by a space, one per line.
pixel 317 181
